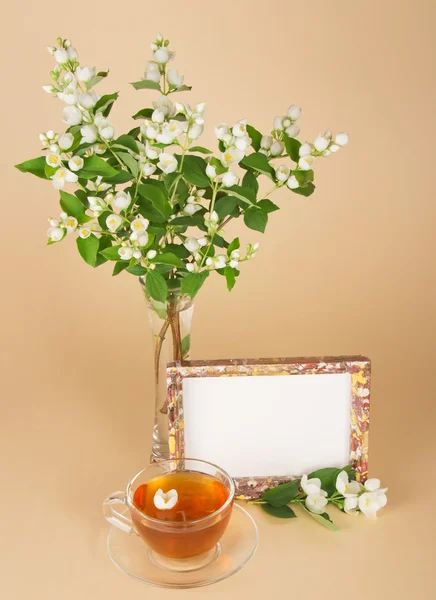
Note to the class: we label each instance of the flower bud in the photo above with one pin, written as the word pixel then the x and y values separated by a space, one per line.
pixel 341 139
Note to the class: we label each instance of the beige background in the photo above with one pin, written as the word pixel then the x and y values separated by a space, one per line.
pixel 351 269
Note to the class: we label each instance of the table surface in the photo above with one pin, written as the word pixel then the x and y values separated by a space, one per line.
pixel 349 270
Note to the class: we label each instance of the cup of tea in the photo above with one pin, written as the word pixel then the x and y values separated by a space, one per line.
pixel 179 507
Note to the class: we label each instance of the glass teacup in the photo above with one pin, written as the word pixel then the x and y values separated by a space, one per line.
pixel 177 544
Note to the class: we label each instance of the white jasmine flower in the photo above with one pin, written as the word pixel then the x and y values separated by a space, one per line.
pixel 195 131
pixel 210 172
pixel 106 129
pixel 89 134
pixel 306 162
pixel 71 224
pixel 219 261
pixel 310 486
pixel 69 95
pixel 85 232
pixel 334 147
pixel 294 112
pixel 151 254
pixel 151 152
pixel 53 159
pixel 75 163
pixel 190 267
pixel 192 244
pixel 71 115
pixel 230 178
pixel 63 215
pixel 61 55
pixel 202 241
pixel 165 105
pixel 65 141
pixel 231 156
pixel 369 504
pixel 149 129
pixel 350 505
pixel 234 264
pixel 321 143
pixel 167 163
pixel 316 503
pixel 137 254
pixel 341 139
pixel 235 254
pixel 49 89
pixel 148 169
pixel 277 148
pixel 292 183
pixel 55 233
pixel 143 239
pixel 278 123
pixel 174 79
pixel 293 130
pixel 113 222
pixel 125 253
pixel 165 501
pixel 96 204
pixel 139 225
pixel 209 261
pixel 69 80
pixel 72 53
pixel 161 56
pixel 100 148
pixel 221 130
pixel 305 149
pixel 266 142
pixel 282 173
pixel 242 143
pixel 158 116
pixel 190 209
pixel 121 200
pixel 152 72
pixel 346 487
pixel 61 177
pixel 240 129
pixel 88 100
pixel 54 222
pixel 85 74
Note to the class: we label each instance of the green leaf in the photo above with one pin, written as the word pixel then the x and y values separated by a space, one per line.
pixel 36 166
pixel 120 177
pixel 256 137
pixel 128 142
pixel 157 198
pixel 95 166
pixel 49 171
pixel 220 241
pixel 168 258
pixel 282 512
pixel 175 185
pixel 71 205
pixel 305 191
pixel 144 113
pixel 323 519
pixel 201 149
pixel 234 245
pixel 137 270
pixel 224 206
pixel 156 286
pixel 120 266
pixel 256 219
pixel 194 171
pixel 130 162
pixel 247 195
pixel 183 88
pixel 88 249
pixel 192 283
pixel 104 105
pixel 303 177
pixel 282 494
pixel 292 147
pixel 186 346
pixel 191 221
pixel 258 162
pixel 103 243
pixel 146 84
pixel 179 251
pixel 249 180
pixel 267 206
pixel 230 277
pixel 111 253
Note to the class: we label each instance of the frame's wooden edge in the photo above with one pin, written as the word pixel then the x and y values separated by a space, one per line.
pixel 269 361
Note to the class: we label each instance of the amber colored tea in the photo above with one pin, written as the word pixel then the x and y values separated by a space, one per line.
pixel 199 496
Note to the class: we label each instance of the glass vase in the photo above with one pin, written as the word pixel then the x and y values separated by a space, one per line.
pixel 170 324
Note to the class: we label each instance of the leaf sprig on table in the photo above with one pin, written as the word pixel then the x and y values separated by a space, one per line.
pixel 312 493
pixel 152 201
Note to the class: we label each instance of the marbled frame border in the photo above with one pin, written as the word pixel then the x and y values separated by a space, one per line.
pixel 250 487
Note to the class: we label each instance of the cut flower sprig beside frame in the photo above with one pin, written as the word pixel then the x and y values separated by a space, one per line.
pixel 314 492
pixel 152 200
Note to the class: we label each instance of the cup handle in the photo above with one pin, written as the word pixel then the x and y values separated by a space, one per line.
pixel 113 516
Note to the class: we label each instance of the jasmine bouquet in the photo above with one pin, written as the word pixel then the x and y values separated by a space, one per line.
pixel 153 202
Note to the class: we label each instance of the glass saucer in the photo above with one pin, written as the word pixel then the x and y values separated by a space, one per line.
pixel 237 546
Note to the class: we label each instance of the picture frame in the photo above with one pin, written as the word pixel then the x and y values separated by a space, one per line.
pixel 317 420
